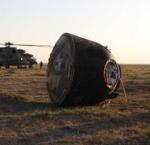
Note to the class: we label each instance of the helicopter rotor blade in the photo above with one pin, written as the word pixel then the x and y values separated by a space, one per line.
pixel 30 45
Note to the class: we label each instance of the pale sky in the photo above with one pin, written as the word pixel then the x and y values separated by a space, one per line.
pixel 123 25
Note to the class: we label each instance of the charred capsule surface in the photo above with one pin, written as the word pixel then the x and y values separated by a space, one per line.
pixel 81 72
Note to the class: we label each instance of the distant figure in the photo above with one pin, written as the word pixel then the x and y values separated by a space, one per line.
pixel 30 64
pixel 41 65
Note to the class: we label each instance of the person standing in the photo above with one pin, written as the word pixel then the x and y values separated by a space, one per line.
pixel 41 65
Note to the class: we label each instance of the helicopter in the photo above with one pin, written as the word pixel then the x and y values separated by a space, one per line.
pixel 11 56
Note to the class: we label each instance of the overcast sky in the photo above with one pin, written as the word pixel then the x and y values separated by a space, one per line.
pixel 123 25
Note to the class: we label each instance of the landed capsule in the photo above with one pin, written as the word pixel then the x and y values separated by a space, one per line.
pixel 81 72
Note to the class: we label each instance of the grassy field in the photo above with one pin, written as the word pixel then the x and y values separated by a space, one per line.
pixel 28 118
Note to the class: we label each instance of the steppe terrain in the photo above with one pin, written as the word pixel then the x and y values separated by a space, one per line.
pixel 28 118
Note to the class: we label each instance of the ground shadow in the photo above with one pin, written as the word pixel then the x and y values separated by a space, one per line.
pixel 17 104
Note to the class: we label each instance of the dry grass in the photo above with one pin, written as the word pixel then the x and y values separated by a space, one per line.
pixel 27 118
